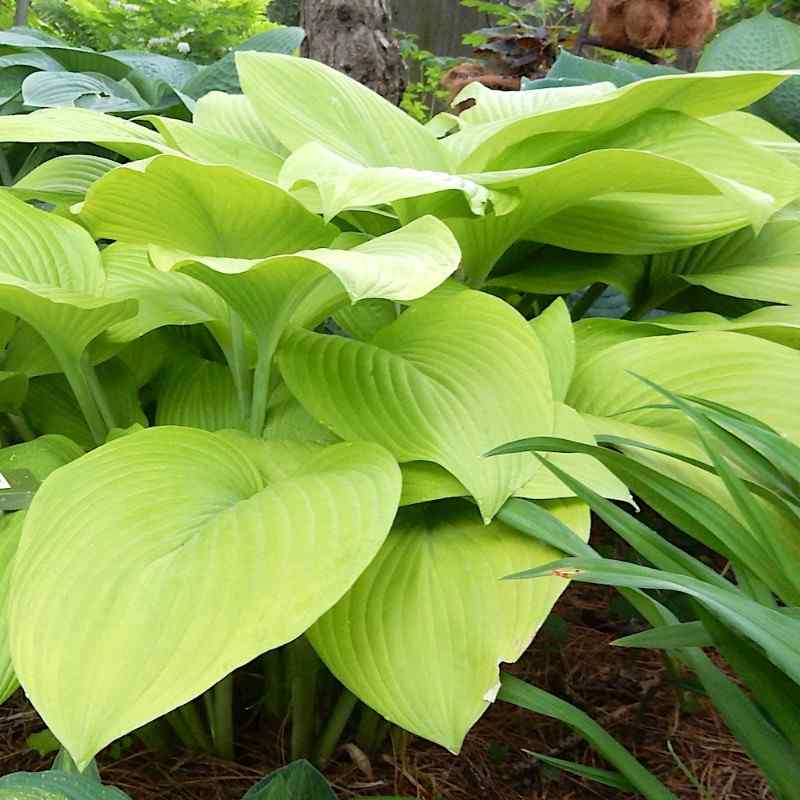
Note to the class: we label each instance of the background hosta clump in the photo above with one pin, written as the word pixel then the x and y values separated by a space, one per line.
pixel 290 331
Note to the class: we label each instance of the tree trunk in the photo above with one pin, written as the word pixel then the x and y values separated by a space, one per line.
pixel 355 37
pixel 21 9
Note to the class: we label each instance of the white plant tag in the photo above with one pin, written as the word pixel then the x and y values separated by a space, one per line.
pixel 4 484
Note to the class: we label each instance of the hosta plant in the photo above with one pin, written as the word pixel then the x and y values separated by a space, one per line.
pixel 286 335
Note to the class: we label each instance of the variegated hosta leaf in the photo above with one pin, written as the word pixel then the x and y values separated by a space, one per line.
pixel 40 457
pixel 506 119
pixel 107 635
pixel 335 111
pixel 443 383
pixel 747 373
pixel 421 634
pixel 341 183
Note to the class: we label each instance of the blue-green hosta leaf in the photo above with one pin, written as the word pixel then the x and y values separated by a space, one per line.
pixel 82 125
pixel 335 111
pixel 297 781
pixel 174 71
pixel 190 578
pixel 506 119
pixel 54 785
pixel 442 383
pixel 341 183
pixel 750 374
pixel 80 90
pixel 40 457
pixel 64 179
pixel 420 635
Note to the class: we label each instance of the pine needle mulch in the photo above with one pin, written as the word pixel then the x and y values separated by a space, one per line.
pixel 626 691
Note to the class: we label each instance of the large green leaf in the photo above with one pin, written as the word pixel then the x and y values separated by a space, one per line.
pixel 163 298
pixel 64 179
pixel 501 120
pixel 54 785
pixel 296 781
pixel 51 276
pixel 341 183
pixel 750 374
pixel 420 635
pixel 80 90
pixel 174 71
pixel 82 125
pixel 190 577
pixel 13 388
pixel 40 457
pixel 446 382
pixel 335 111
pixel 202 209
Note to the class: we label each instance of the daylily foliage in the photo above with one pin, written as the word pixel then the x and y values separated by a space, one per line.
pixel 248 456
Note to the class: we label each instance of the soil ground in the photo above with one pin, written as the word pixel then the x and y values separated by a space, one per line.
pixel 626 691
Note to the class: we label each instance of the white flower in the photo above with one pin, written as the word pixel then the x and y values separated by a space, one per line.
pixel 184 48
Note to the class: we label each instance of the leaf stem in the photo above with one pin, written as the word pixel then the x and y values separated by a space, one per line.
pixel 197 729
pixel 274 683
pixel 21 427
pixel 261 382
pixel 82 389
pixel 99 394
pixel 303 665
pixel 334 727
pixel 236 355
pixel 222 704
pixel 6 177
pixel 368 727
pixel 587 300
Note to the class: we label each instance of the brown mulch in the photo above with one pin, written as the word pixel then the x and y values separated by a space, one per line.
pixel 626 691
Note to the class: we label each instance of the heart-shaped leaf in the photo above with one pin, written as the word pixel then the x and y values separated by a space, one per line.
pixel 420 635
pixel 107 637
pixel 446 382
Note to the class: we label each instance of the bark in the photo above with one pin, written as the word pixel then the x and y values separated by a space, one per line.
pixel 355 37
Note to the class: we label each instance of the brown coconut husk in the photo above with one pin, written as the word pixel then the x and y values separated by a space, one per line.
pixel 647 22
pixel 462 75
pixel 608 18
pixel 691 22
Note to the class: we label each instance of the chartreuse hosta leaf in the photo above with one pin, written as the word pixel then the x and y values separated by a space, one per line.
pixel 750 374
pixel 40 457
pixel 341 183
pixel 82 125
pixel 207 528
pixel 51 276
pixel 499 121
pixel 420 635
pixel 335 111
pixel 163 298
pixel 554 329
pixel 445 382
pixel 64 179
pixel 13 388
